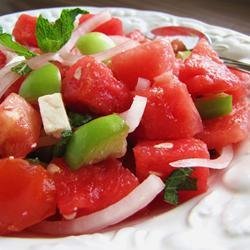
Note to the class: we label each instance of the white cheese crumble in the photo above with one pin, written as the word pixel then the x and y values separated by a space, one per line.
pixel 53 113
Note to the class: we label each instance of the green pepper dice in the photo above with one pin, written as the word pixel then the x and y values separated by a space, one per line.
pixel 43 81
pixel 96 140
pixel 214 106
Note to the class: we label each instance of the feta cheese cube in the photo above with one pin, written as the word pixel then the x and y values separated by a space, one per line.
pixel 53 113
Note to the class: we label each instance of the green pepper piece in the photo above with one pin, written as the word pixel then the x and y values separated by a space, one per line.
pixel 96 140
pixel 43 81
pixel 214 106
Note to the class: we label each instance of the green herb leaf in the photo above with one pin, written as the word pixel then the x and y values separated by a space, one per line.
pixel 77 120
pixel 179 180
pixel 21 69
pixel 51 36
pixel 60 147
pixel 7 41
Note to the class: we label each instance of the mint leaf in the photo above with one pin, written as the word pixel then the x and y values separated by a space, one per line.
pixel 51 36
pixel 178 180
pixel 60 147
pixel 21 69
pixel 7 41
pixel 77 120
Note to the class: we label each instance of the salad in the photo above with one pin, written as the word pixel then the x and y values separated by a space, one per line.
pixel 98 124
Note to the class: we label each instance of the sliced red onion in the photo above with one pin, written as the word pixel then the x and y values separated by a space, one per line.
pixel 142 84
pixel 134 115
pixel 7 80
pixel 119 39
pixel 221 162
pixel 83 28
pixel 140 197
pixel 38 61
pixel 102 56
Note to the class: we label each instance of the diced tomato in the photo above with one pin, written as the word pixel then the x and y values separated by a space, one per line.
pixel 111 27
pixel 147 60
pixel 14 88
pixel 155 156
pixel 27 195
pixel 20 127
pixel 137 35
pixel 90 85
pixel 170 112
pixel 3 59
pixel 204 73
pixel 227 129
pixel 92 187
pixel 25 30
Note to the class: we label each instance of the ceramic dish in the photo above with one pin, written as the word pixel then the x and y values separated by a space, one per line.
pixel 218 220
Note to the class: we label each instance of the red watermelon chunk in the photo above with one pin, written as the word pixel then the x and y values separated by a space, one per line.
pixel 170 112
pixel 147 60
pixel 155 156
pixel 25 30
pixel 92 187
pixel 90 86
pixel 3 59
pixel 204 73
pixel 227 129
pixel 111 27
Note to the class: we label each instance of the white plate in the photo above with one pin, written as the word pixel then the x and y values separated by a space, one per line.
pixel 184 228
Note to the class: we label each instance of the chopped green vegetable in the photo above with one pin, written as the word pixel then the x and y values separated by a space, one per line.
pixel 77 120
pixel 178 180
pixel 96 140
pixel 214 106
pixel 51 36
pixel 183 54
pixel 7 41
pixel 43 81
pixel 94 42
pixel 21 69
pixel 60 148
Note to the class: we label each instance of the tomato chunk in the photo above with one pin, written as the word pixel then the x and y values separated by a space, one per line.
pixel 20 127
pixel 25 30
pixel 111 27
pixel 147 60
pixel 27 195
pixel 155 156
pixel 90 85
pixel 92 187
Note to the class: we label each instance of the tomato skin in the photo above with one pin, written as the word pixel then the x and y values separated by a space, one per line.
pixel 92 187
pixel 137 35
pixel 228 129
pixel 147 60
pixel 170 112
pixel 27 195
pixel 111 27
pixel 91 86
pixel 20 127
pixel 150 158
pixel 25 30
